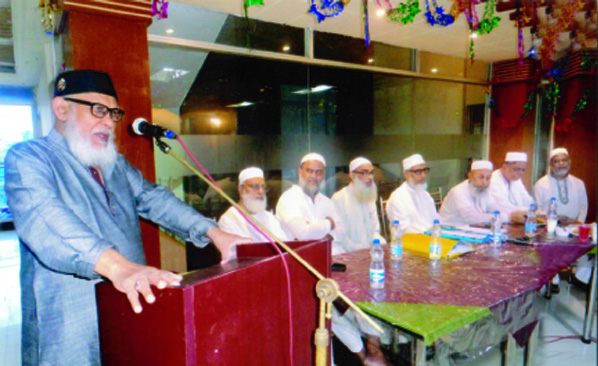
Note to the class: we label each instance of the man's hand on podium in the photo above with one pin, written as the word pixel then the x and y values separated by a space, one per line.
pixel 226 243
pixel 133 279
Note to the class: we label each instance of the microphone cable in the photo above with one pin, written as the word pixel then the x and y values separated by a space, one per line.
pixel 268 237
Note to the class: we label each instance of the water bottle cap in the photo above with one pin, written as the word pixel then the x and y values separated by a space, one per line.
pixel 436 221
pixel 497 212
pixel 396 222
pixel 532 205
pixel 376 241
pixel 553 198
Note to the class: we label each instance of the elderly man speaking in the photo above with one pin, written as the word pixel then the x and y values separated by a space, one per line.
pixel 469 202
pixel 356 205
pixel 411 203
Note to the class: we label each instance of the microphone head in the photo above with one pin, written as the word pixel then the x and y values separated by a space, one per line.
pixel 136 124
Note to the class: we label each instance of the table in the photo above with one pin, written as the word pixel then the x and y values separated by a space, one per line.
pixel 420 296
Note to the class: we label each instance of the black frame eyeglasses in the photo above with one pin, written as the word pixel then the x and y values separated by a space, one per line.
pixel 99 110
pixel 419 171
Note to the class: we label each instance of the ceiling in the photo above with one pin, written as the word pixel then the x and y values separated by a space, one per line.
pixel 453 40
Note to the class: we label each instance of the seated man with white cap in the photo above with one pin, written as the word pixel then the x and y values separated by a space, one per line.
pixel 469 202
pixel 305 212
pixel 252 193
pixel 411 203
pixel 508 190
pixel 571 200
pixel 356 205
pixel 569 191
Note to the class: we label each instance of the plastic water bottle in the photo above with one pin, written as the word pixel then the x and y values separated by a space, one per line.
pixel 377 272
pixel 530 223
pixel 551 217
pixel 396 244
pixel 496 229
pixel 435 244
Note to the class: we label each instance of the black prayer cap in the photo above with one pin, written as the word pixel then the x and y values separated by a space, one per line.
pixel 84 81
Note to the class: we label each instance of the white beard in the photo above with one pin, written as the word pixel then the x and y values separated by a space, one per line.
pixel 310 190
pixel 254 205
pixel 422 187
pixel 477 192
pixel 560 173
pixel 81 147
pixel 363 193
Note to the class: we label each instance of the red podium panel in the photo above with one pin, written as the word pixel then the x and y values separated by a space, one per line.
pixel 232 314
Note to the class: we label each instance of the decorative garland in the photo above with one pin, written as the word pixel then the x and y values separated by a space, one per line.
pixel 472 22
pixel 581 104
pixel 587 61
pixel 160 8
pixel 366 22
pixel 405 12
pixel 489 21
pixel 435 15
pixel 327 8
pixel 529 105
pixel 48 8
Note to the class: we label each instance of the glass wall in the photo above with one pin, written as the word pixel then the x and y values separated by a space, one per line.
pixel 236 109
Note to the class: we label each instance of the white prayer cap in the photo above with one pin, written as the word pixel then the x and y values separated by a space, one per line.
pixel 413 160
pixel 313 156
pixel 558 150
pixel 516 157
pixel 250 173
pixel 357 162
pixel 482 164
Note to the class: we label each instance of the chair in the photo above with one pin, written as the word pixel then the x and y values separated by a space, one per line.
pixel 437 196
pixel 383 218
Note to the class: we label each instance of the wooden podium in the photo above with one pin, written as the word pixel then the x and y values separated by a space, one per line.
pixel 233 314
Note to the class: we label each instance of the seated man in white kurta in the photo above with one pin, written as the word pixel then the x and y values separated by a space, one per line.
pixel 305 212
pixel 252 193
pixel 571 199
pixel 469 202
pixel 508 190
pixel 411 203
pixel 356 205
pixel 569 191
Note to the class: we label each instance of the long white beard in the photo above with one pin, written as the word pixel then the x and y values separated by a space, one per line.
pixel 421 187
pixel 310 190
pixel 477 192
pixel 254 205
pixel 82 148
pixel 363 193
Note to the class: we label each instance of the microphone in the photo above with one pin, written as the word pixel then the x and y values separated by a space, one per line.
pixel 142 127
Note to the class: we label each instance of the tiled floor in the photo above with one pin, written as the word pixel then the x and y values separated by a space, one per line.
pixel 561 317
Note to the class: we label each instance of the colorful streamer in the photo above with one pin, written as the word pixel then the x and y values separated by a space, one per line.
pixel 49 8
pixel 326 8
pixel 160 8
pixel 529 105
pixel 366 22
pixel 405 12
pixel 489 21
pixel 436 15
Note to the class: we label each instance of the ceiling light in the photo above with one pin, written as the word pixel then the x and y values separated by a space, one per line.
pixel 316 89
pixel 473 35
pixel 239 105
pixel 286 48
pixel 169 31
pixel 380 12
pixel 215 121
pixel 434 70
pixel 370 60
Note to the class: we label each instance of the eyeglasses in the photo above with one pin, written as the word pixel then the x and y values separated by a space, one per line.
pixel 419 171
pixel 370 173
pixel 99 110
pixel 256 187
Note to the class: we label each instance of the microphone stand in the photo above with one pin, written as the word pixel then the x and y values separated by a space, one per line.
pixel 327 289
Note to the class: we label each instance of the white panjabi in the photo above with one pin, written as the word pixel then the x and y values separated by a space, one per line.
pixel 414 208
pixel 510 196
pixel 465 205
